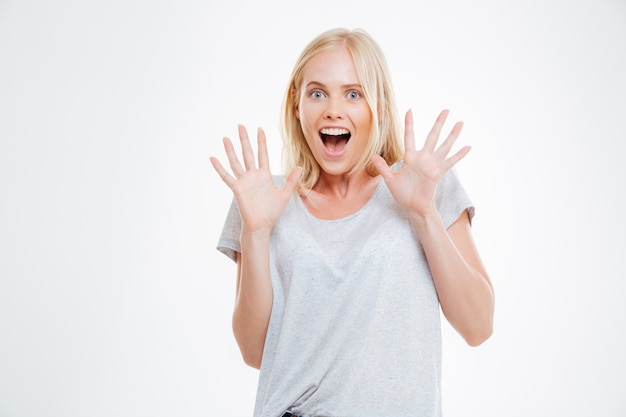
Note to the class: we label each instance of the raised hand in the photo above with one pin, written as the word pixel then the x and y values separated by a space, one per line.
pixel 260 201
pixel 414 185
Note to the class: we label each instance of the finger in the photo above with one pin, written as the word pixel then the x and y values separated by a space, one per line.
pixel 224 175
pixel 445 147
pixel 409 133
pixel 235 165
pixel 246 148
pixel 262 149
pixel 433 136
pixel 381 165
pixel 452 161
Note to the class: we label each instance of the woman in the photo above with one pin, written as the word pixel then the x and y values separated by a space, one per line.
pixel 344 262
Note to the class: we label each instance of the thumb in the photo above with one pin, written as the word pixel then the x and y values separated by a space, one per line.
pixel 292 180
pixel 381 165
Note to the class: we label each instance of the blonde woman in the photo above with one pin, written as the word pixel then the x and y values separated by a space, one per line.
pixel 344 262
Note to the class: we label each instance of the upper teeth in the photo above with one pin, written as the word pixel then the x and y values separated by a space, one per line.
pixel 335 131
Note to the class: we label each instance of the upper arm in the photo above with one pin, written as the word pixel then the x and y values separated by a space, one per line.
pixel 460 233
pixel 238 258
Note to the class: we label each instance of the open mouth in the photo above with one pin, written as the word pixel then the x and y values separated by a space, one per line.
pixel 335 139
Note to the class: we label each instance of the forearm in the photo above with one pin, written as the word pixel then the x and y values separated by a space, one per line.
pixel 254 297
pixel 463 287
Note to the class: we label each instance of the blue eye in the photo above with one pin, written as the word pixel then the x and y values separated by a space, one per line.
pixel 354 95
pixel 317 94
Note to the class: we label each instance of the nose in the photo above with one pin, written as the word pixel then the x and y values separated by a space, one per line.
pixel 334 109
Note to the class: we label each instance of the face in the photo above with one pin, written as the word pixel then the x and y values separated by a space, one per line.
pixel 333 112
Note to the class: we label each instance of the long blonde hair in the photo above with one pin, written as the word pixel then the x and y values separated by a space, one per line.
pixel 371 67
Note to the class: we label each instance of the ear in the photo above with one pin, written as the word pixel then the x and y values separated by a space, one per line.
pixel 296 111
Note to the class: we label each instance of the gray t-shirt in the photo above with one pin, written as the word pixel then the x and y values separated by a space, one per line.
pixel 355 324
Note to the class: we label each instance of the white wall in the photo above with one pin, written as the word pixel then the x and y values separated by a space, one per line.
pixel 113 300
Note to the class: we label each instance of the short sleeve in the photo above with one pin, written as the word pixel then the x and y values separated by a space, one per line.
pixel 229 243
pixel 451 199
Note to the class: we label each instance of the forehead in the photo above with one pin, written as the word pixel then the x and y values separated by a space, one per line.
pixel 334 65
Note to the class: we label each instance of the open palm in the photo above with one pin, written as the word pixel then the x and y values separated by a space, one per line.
pixel 260 202
pixel 414 184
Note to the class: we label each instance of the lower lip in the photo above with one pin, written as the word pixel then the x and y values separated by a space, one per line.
pixel 334 155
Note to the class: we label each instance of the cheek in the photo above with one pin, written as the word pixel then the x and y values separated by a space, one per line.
pixel 305 126
pixel 306 119
pixel 364 117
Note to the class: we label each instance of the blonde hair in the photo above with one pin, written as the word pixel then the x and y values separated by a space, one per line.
pixel 371 68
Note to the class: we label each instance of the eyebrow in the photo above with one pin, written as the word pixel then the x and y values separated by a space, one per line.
pixel 345 86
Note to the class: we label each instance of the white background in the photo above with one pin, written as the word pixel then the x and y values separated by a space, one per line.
pixel 113 299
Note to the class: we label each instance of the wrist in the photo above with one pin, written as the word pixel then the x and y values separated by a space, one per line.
pixel 254 235
pixel 424 220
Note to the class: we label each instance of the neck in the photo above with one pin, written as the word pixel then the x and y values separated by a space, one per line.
pixel 337 196
pixel 342 185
